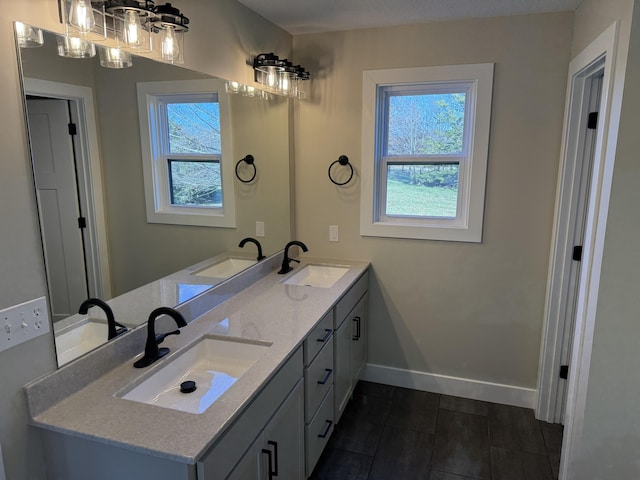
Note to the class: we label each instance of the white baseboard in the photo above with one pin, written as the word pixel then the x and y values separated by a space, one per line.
pixel 455 386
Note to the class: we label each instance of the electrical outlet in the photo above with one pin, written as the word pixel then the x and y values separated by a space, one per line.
pixel 259 229
pixel 334 231
pixel 23 322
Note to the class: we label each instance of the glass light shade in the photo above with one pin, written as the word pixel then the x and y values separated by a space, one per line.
pixel 132 33
pixel 28 36
pixel 115 58
pixel 74 47
pixel 232 87
pixel 248 91
pixel 171 43
pixel 81 16
pixel 287 83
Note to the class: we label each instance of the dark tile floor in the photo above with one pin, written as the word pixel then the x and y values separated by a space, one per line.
pixel 392 433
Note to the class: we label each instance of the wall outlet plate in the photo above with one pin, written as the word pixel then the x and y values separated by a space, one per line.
pixel 23 322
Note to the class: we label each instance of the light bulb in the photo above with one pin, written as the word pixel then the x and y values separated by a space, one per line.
pixel 81 16
pixel 169 49
pixel 132 30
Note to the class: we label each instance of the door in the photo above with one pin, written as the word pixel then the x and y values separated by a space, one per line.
pixel 358 339
pixel 57 196
pixel 592 94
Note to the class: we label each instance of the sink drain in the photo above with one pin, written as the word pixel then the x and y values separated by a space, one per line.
pixel 188 386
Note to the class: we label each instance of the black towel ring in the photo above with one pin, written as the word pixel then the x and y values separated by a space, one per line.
pixel 249 161
pixel 342 160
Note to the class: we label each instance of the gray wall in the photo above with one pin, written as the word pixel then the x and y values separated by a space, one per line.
pixel 466 310
pixel 236 33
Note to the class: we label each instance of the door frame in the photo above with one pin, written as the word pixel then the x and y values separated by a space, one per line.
pixel 603 47
pixel 89 176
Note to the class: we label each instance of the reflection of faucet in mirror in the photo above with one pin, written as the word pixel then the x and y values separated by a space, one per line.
pixel 151 350
pixel 257 243
pixel 286 268
pixel 114 328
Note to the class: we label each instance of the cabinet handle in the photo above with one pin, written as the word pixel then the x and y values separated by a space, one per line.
pixel 327 334
pixel 270 460
pixel 275 456
pixel 357 335
pixel 326 377
pixel 326 431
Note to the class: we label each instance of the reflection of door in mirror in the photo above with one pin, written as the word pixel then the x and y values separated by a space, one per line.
pixel 54 166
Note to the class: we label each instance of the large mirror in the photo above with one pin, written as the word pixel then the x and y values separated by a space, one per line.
pixel 102 190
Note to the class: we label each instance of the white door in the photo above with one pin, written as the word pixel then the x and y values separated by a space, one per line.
pixel 592 94
pixel 57 196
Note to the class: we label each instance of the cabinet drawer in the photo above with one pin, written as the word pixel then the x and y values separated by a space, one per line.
pixel 318 337
pixel 318 379
pixel 317 433
pixel 349 299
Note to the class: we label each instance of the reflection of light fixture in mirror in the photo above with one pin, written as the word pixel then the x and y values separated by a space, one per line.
pixel 28 36
pixel 279 75
pixel 73 47
pixel 170 25
pixel 115 58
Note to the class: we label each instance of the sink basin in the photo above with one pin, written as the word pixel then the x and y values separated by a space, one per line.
pixel 213 363
pixel 76 340
pixel 226 268
pixel 323 276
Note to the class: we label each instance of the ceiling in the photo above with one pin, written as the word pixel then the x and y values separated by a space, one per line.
pixel 312 16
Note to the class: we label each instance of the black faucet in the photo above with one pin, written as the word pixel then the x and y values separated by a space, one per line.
pixel 286 268
pixel 257 243
pixel 114 328
pixel 151 350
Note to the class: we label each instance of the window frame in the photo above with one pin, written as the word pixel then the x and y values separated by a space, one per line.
pixel 477 82
pixel 152 98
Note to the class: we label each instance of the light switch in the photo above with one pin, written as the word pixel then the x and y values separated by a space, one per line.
pixel 24 322
pixel 259 229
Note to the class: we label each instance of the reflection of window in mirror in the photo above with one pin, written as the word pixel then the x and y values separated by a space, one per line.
pixel 185 132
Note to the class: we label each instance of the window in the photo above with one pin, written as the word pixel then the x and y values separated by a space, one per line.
pixel 425 141
pixel 185 131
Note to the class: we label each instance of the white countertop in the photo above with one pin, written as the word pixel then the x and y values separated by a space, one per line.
pixel 268 311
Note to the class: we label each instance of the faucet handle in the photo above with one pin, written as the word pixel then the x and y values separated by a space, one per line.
pixel 161 336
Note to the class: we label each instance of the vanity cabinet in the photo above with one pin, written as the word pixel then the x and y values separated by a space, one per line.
pixel 259 434
pixel 351 334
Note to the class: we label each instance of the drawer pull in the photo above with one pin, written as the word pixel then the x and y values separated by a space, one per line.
pixel 326 377
pixel 327 430
pixel 357 335
pixel 327 334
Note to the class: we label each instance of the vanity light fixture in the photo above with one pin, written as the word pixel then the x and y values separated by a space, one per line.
pixel 279 76
pixel 115 58
pixel 28 36
pixel 136 25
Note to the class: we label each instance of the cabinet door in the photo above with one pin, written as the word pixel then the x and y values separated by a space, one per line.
pixel 250 465
pixel 284 438
pixel 358 321
pixel 342 364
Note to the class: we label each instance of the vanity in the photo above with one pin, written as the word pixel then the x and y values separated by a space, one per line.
pixel 294 346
